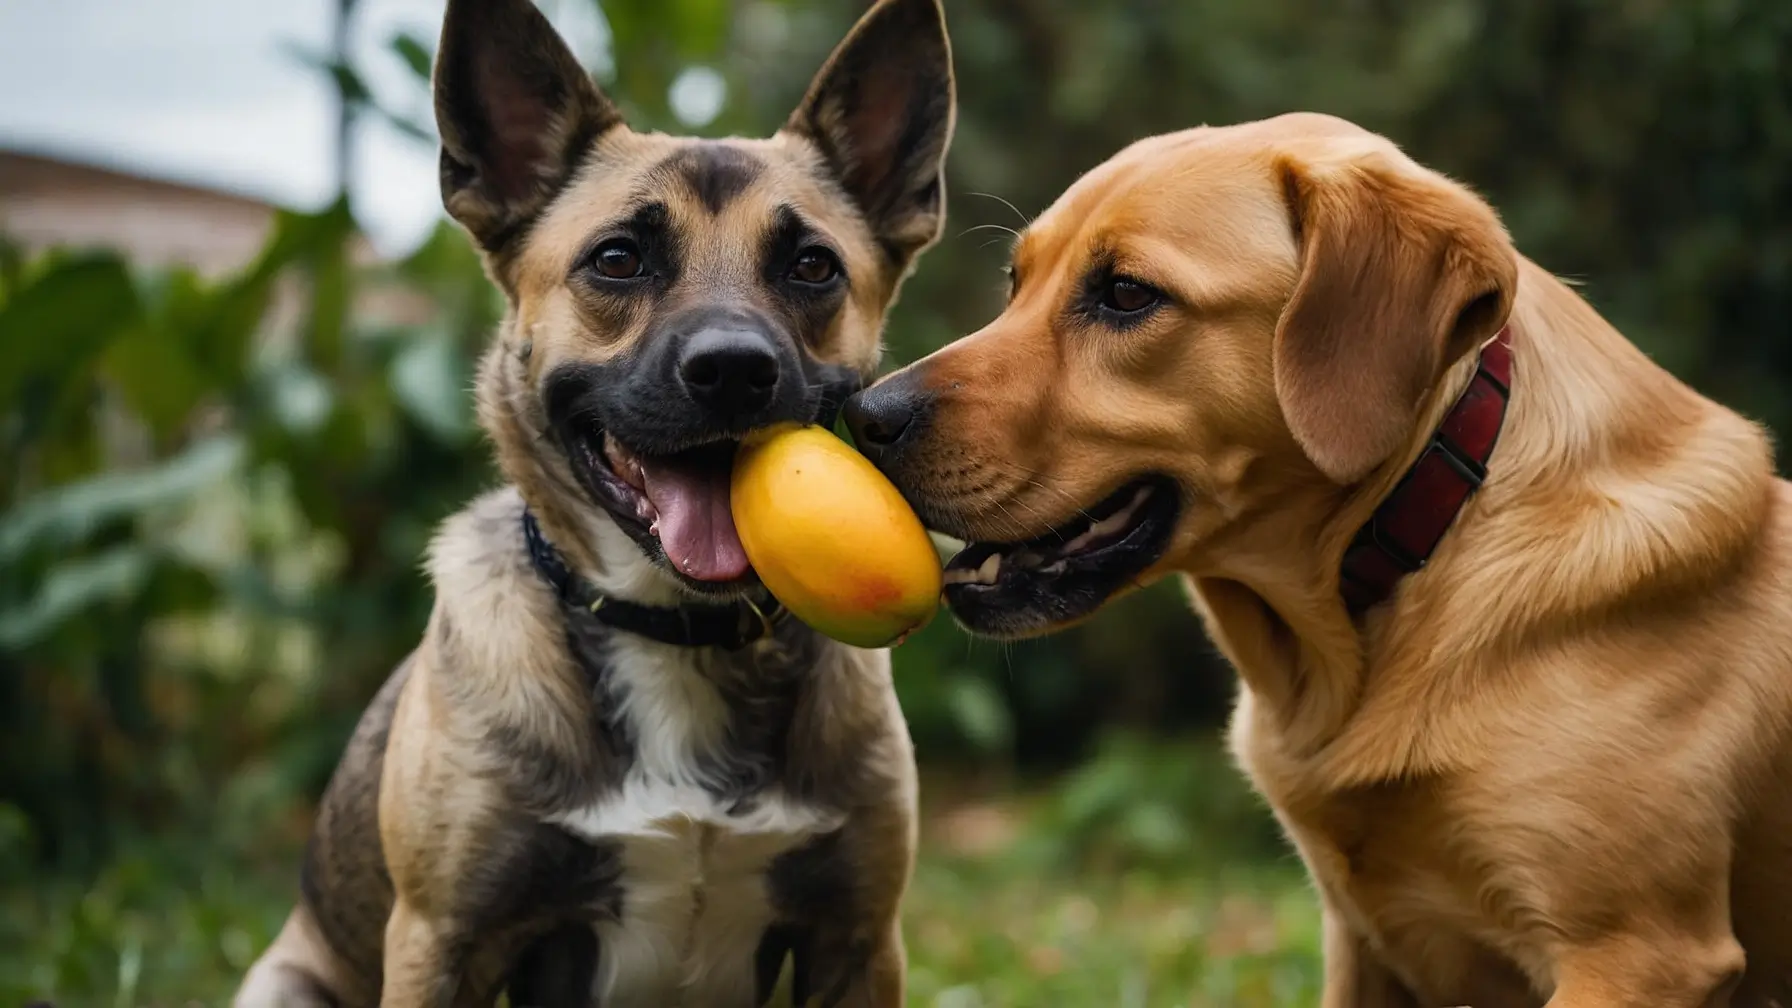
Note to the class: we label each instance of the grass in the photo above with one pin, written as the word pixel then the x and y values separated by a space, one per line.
pixel 1147 878
pixel 981 935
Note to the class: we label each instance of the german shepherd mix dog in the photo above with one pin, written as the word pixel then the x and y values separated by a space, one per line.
pixel 1511 607
pixel 613 772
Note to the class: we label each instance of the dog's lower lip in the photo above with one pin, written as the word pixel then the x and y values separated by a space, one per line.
pixel 1020 589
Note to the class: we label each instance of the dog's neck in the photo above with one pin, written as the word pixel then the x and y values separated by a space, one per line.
pixel 1268 589
pixel 1592 421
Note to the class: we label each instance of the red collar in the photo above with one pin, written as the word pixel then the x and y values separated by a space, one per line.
pixel 1409 524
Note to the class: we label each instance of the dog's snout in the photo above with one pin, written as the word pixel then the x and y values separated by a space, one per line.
pixel 882 416
pixel 732 372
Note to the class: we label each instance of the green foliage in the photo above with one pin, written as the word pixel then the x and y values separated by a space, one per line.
pixel 1140 806
pixel 71 305
pixel 156 927
pixel 209 497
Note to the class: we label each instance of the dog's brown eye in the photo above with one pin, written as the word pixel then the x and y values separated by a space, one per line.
pixel 815 266
pixel 619 259
pixel 1128 296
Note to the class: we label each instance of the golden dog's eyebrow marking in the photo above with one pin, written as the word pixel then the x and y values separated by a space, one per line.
pixel 715 172
pixel 1100 264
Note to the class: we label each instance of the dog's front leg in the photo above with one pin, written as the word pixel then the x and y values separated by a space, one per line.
pixel 421 971
pixel 1659 970
pixel 1354 977
pixel 454 855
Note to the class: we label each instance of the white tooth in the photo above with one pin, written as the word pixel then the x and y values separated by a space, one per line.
pixel 1079 542
pixel 960 575
pixel 991 569
pixel 1054 569
pixel 1108 526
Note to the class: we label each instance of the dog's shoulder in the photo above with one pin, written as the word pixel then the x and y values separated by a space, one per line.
pixel 495 658
pixel 480 549
pixel 491 610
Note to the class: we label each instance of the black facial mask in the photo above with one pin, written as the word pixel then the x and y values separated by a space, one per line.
pixel 837 383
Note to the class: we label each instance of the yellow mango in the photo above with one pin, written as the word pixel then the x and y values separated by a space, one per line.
pixel 831 537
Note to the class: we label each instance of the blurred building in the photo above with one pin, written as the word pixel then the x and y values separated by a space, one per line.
pixel 53 202
pixel 49 201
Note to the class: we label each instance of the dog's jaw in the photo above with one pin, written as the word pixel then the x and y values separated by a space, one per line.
pixel 1024 589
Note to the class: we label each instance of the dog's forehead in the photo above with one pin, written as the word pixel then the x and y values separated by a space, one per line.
pixel 1205 178
pixel 1199 196
pixel 719 195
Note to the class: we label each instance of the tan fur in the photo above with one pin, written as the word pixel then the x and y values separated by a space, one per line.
pixel 1557 764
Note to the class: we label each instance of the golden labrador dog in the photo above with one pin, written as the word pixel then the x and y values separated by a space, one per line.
pixel 1511 607
pixel 613 772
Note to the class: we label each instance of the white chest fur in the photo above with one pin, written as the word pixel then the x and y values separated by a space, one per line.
pixel 695 903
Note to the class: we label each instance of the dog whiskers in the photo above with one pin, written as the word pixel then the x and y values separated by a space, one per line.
pixel 1015 529
pixel 1025 221
pixel 1032 478
pixel 1074 506
pixel 1005 229
pixel 1037 514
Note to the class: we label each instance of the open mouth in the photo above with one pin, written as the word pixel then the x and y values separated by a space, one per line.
pixel 1012 589
pixel 679 500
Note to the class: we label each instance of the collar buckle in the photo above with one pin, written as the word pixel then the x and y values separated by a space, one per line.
pixel 1472 470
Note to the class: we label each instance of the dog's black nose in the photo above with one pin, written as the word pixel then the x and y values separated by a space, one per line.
pixel 882 415
pixel 732 372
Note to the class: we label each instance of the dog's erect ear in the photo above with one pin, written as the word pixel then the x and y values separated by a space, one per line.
pixel 1401 275
pixel 516 112
pixel 881 111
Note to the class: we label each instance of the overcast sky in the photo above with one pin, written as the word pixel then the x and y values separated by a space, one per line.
pixel 204 91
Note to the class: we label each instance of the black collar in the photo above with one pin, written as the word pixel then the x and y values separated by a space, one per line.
pixel 731 626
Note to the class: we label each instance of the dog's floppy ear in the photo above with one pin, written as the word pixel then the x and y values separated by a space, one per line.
pixel 881 112
pixel 1401 274
pixel 516 112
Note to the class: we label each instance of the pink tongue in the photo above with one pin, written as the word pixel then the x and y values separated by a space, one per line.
pixel 696 525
